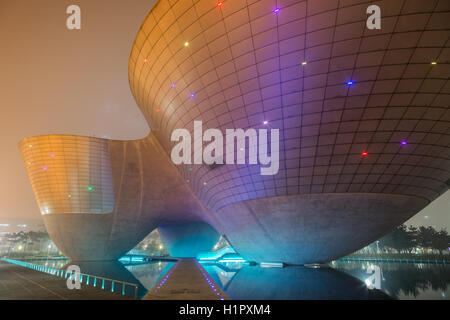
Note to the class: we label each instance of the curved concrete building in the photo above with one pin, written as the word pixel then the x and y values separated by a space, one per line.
pixel 363 117
pixel 100 198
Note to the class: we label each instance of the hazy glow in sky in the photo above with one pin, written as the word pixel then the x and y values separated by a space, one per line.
pixel 54 80
pixel 58 81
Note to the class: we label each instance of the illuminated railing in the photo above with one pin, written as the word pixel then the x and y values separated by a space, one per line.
pixel 115 286
pixel 226 254
pixel 430 261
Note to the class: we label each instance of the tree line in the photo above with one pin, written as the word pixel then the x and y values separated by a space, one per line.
pixel 407 238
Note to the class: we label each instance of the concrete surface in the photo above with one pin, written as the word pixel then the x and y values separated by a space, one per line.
pixel 312 228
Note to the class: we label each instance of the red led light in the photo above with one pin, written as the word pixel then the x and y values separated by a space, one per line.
pixel 364 154
pixel 220 3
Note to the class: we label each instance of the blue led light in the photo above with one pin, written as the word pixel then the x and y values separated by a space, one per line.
pixel 350 83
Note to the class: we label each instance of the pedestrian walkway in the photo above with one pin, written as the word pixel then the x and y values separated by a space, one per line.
pixel 186 280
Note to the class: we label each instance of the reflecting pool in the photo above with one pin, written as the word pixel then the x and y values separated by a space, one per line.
pixel 404 281
pixel 290 283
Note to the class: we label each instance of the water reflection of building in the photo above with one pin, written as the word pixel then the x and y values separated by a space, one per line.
pixel 292 283
pixel 405 280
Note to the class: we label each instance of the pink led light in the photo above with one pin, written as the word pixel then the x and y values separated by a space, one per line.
pixel 266 122
pixel 44 168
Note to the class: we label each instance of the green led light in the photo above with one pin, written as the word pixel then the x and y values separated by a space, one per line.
pixel 90 188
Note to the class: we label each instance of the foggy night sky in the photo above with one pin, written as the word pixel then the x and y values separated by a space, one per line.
pixel 54 80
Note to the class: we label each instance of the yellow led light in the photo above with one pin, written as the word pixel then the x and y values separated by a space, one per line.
pixel 186 44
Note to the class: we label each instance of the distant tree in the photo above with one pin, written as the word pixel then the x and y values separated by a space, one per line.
pixel 400 239
pixel 413 231
pixel 441 241
pixel 425 236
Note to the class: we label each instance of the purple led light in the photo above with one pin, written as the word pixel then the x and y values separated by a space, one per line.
pixel 192 95
pixel 276 10
pixel 404 142
pixel 173 85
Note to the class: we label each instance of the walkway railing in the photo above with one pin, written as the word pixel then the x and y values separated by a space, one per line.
pixel 115 286
pixel 358 259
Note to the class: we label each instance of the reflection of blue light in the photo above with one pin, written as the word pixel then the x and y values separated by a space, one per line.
pixel 232 260
pixel 210 256
pixel 271 265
